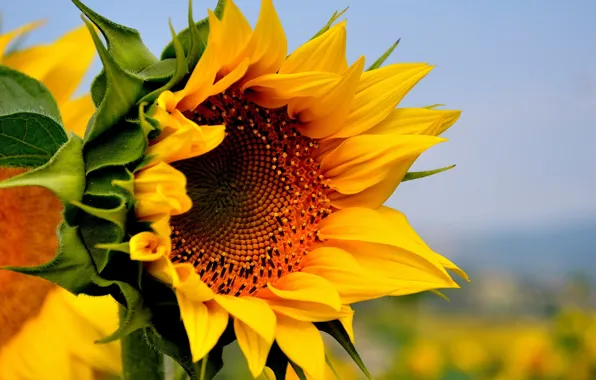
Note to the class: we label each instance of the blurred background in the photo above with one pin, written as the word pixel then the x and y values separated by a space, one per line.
pixel 518 213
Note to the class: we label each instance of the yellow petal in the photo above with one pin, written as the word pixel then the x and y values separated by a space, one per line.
pixel 163 270
pixel 397 218
pixel 229 36
pixel 379 92
pixel 204 323
pixel 302 344
pixel 376 195
pixel 416 121
pixel 64 62
pixel 307 311
pixel 190 286
pixel 160 190
pixel 147 246
pixel 198 86
pixel 254 312
pixel 361 224
pixel 363 161
pixel 299 286
pixel 76 114
pixel 356 283
pixel 231 78
pixel 268 46
pixel 6 38
pixel 347 322
pixel 325 53
pixel 76 50
pixel 283 88
pixel 393 262
pixel 326 114
pixel 253 346
pixel 183 138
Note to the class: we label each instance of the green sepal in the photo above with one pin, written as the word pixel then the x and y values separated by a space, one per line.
pixel 299 371
pixel 334 17
pixel 98 88
pixel 115 212
pixel 440 294
pixel 31 130
pixel 338 332
pixel 124 43
pixel 71 268
pixel 376 64
pixel 332 367
pixel 136 315
pixel 186 35
pixel 64 175
pixel 124 145
pixel 96 232
pixel 180 354
pixel 118 247
pixel 160 71
pixel 111 181
pixel 149 125
pixel 179 73
pixel 416 175
pixel 121 93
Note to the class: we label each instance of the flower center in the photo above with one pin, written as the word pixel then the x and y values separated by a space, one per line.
pixel 257 198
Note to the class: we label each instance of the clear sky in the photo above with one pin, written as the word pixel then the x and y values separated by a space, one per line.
pixel 523 72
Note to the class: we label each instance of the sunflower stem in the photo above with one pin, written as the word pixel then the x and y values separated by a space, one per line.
pixel 139 360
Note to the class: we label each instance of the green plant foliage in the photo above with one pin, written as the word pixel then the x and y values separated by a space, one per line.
pixel 31 130
pixel 64 175
pixel 188 36
pixel 376 64
pixel 416 175
pixel 334 17
pixel 338 332
pixel 71 268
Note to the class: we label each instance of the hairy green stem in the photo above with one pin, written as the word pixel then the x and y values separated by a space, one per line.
pixel 139 360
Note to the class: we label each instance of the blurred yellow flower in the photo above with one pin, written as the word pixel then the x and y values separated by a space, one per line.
pixel 47 333
pixel 60 66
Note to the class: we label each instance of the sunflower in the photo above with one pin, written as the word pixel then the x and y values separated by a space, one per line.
pixel 265 187
pixel 47 332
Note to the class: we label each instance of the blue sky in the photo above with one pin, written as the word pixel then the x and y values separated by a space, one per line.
pixel 524 74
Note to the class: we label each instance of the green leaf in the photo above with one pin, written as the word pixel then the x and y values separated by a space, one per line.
pixel 31 130
pixel 136 315
pixel 376 64
pixel 64 175
pixel 179 74
pixel 71 268
pixel 186 35
pixel 122 92
pixel 338 332
pixel 124 43
pixel 139 359
pixel 21 93
pixel 336 15
pixel 29 139
pixel 416 175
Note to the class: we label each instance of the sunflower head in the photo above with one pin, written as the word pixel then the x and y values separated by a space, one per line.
pixel 234 190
